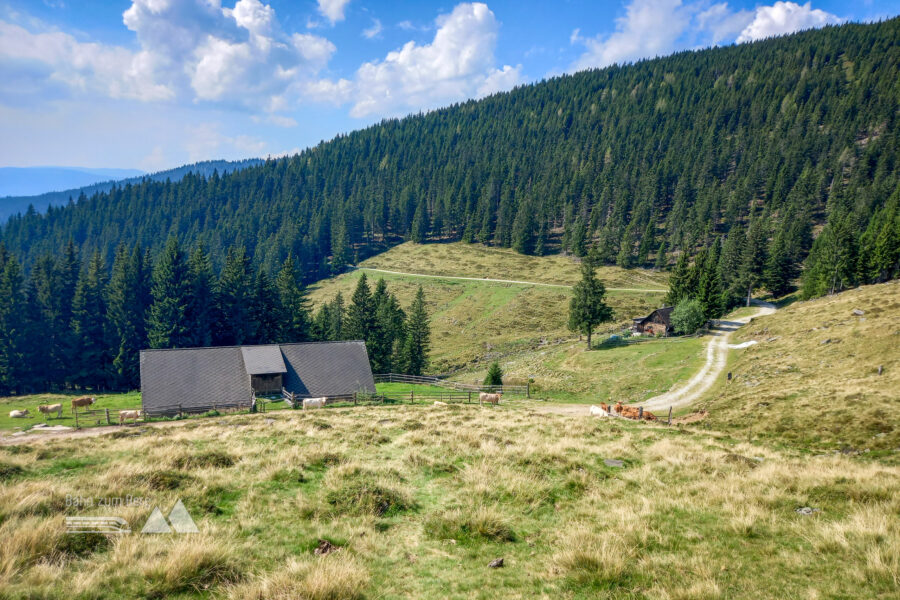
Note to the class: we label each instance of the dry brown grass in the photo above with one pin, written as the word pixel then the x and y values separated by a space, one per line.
pixel 420 512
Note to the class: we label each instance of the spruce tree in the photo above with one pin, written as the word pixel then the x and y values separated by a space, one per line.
pixel 418 336
pixel 201 309
pixel 235 326
pixel 12 324
pixel 753 259
pixel 523 231
pixel 588 307
pixel 93 363
pixel 679 281
pixel 360 313
pixel 125 314
pixel 294 314
pixel 494 375
pixel 265 311
pixel 167 324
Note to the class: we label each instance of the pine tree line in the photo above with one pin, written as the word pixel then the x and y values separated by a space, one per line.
pixel 81 324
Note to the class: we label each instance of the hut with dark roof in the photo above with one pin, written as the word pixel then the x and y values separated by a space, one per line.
pixel 197 379
pixel 659 322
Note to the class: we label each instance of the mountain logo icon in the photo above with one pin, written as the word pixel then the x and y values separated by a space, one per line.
pixel 179 521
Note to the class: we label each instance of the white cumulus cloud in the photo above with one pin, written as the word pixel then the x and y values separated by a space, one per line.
pixel 783 18
pixel 333 10
pixel 373 31
pixel 459 63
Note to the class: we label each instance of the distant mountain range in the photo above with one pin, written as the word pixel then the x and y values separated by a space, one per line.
pixel 21 187
pixel 30 181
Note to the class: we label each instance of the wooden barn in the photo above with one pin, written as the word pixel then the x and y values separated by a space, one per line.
pixel 659 322
pixel 192 379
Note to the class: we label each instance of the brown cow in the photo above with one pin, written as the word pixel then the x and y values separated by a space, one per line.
pixel 81 402
pixel 605 407
pixel 492 398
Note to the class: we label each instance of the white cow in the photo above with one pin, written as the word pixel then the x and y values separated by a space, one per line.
pixel 596 411
pixel 313 403
pixel 439 403
pixel 19 414
pixel 124 415
pixel 49 409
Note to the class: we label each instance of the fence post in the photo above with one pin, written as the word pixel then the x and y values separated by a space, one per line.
pixel 412 397
pixel 107 417
pixel 179 411
pixel 469 401
pixel 75 410
pixel 670 416
pixel 640 413
pixel 528 390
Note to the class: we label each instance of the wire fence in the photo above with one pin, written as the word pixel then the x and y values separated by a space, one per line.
pixel 524 390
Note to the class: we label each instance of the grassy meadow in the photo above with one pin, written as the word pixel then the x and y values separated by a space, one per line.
pixel 114 402
pixel 476 322
pixel 420 499
pixel 813 377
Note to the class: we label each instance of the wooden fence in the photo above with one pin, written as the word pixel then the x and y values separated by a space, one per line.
pixel 453 385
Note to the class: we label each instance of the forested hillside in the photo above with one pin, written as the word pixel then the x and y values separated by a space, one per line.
pixel 10 205
pixel 645 159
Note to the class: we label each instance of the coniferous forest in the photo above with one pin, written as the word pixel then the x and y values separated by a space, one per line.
pixel 752 167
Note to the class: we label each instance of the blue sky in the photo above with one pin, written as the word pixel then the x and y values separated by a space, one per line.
pixel 152 84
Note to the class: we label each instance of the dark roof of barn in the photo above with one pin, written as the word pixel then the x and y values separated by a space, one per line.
pixel 262 360
pixel 203 376
pixel 664 314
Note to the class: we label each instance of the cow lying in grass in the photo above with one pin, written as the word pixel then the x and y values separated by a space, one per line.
pixel 47 409
pixel 19 414
pixel 82 402
pixel 493 399
pixel 631 412
pixel 599 411
pixel 124 415
pixel 313 403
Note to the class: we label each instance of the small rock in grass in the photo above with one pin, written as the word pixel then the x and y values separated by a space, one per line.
pixel 325 547
pixel 496 563
pixel 806 510
pixel 858 312
pixel 612 462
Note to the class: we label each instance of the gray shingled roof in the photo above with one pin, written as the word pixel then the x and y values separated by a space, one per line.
pixel 328 369
pixel 263 360
pixel 194 377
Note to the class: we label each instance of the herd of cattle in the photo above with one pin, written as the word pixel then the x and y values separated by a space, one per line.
pixel 81 402
pixel 620 410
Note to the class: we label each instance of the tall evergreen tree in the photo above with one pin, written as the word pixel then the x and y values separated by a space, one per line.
pixel 294 314
pixel 680 281
pixel 167 324
pixel 126 315
pixel 12 324
pixel 201 309
pixel 417 342
pixel 265 311
pixel 93 363
pixel 235 326
pixel 754 257
pixel 588 307
pixel 360 313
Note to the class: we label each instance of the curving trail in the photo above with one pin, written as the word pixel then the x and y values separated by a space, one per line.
pixel 555 285
pixel 716 357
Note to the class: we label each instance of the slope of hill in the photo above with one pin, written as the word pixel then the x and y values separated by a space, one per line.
pixel 76 183
pixel 30 181
pixel 523 325
pixel 824 374
pixel 665 154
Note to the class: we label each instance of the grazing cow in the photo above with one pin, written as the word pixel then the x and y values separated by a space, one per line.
pixel 19 414
pixel 491 398
pixel 124 415
pixel 598 411
pixel 618 408
pixel 51 408
pixel 313 403
pixel 81 402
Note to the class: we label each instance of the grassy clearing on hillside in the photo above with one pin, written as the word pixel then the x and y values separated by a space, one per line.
pixel 474 260
pixel 475 322
pixel 420 499
pixel 114 402
pixel 817 363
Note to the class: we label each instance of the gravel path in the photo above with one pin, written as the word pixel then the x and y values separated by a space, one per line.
pixel 716 357
pixel 555 285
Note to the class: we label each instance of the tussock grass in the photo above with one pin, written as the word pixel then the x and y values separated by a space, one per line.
pixel 216 459
pixel 692 514
pixel 812 380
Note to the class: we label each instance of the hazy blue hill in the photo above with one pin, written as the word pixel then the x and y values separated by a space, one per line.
pixel 29 181
pixel 28 186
